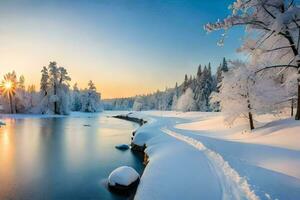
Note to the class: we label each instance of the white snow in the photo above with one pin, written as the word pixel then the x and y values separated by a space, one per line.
pixel 196 155
pixel 123 176
pixel 233 186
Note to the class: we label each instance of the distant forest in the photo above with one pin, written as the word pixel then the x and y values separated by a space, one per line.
pixel 193 94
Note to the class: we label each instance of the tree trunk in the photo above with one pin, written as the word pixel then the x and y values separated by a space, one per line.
pixel 292 108
pixel 10 103
pixel 55 108
pixel 251 121
pixel 55 103
pixel 250 114
pixel 297 117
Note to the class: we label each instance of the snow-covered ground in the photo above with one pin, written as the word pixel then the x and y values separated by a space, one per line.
pixel 197 156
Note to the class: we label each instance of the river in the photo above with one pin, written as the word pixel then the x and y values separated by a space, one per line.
pixel 62 158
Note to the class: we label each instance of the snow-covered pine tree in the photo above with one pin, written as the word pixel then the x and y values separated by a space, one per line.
pixel 205 89
pixel 90 99
pixel 63 91
pixel 185 84
pixel 217 83
pixel 21 98
pixel 138 103
pixel 198 87
pixel 58 81
pixel 33 97
pixel 53 79
pixel 175 97
pixel 237 95
pixel 186 101
pixel 221 69
pixel 44 84
pixel 75 100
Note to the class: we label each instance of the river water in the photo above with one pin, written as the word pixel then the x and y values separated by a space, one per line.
pixel 62 158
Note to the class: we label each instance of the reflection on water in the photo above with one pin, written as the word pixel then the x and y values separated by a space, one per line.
pixel 60 158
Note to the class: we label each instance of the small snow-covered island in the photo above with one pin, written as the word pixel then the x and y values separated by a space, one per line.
pixel 150 100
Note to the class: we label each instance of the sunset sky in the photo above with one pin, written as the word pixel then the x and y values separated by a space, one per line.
pixel 126 47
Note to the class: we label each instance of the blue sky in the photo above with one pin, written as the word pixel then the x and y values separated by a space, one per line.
pixel 126 46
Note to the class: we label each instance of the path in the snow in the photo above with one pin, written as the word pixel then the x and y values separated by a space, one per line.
pixel 233 185
pixel 197 166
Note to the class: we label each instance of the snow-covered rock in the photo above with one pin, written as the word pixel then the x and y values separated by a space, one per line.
pixel 122 146
pixel 123 178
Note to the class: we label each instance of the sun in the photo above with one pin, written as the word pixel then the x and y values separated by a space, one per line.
pixel 8 85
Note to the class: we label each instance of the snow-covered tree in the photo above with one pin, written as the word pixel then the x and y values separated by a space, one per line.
pixel 185 84
pixel 44 84
pixel 53 77
pixel 221 69
pixel 76 98
pixel 198 87
pixel 217 82
pixel 204 89
pixel 90 99
pixel 21 100
pixel 138 104
pixel 33 98
pixel 186 101
pixel 273 28
pixel 237 94
pixel 8 89
pixel 54 90
pixel 175 97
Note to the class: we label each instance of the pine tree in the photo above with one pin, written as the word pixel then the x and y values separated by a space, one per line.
pixel 21 83
pixel 90 98
pixel 44 84
pixel 185 84
pixel 63 76
pixel 205 89
pixel 21 98
pixel 198 87
pixel 54 79
pixel 91 86
pixel 59 78
pixel 224 65
pixel 76 101
pixel 175 97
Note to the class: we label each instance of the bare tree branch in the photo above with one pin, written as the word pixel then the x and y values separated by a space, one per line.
pixel 263 5
pixel 276 66
pixel 278 48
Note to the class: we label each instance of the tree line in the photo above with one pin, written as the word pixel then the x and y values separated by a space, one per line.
pixel 193 94
pixel 54 96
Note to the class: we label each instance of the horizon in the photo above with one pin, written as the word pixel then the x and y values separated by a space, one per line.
pixel 145 46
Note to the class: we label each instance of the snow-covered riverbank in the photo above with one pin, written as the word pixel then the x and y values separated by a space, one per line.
pixel 195 156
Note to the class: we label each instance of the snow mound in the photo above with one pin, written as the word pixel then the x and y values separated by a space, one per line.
pixel 123 176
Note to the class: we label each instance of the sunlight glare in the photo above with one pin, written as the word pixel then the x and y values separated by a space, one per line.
pixel 8 85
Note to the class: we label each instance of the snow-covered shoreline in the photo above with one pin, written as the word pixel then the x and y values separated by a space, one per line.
pixel 177 169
